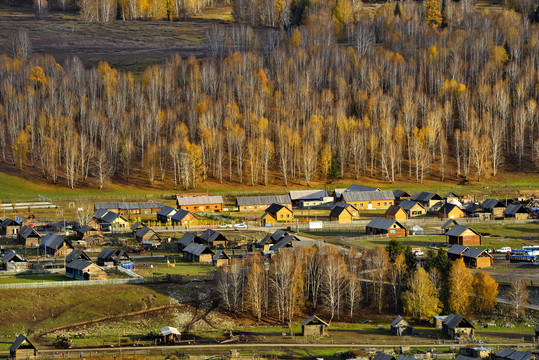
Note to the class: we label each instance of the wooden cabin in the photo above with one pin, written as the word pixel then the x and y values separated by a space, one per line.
pixel 184 218
pixel 277 213
pixel 165 214
pixel 395 212
pixel 13 262
pixel 200 203
pixel 29 236
pixel 369 199
pixel 55 245
pixel 213 239
pixel 512 354
pixel 494 207
pixel 463 235
pixel 400 327
pixel 456 251
pixel 314 326
pixel 516 211
pixel 23 349
pixel 186 239
pixel 427 199
pixel 9 227
pixel 413 208
pixel 477 258
pixel 388 227
pixel 84 270
pixel 112 257
pixel 88 232
pixel 437 321
pixel 221 258
pixel 198 253
pixel 147 235
pixel 342 214
pixel 450 211
pixel 77 255
pixel 253 203
pixel 401 195
pixel 458 328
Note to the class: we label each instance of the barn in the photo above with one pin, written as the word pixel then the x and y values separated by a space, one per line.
pixel 388 227
pixel 22 348
pixel 314 326
pixel 458 328
pixel 463 235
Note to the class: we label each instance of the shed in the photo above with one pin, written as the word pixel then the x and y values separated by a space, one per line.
pixel 29 236
pixel 389 227
pixel 13 262
pixel 169 334
pixel 416 230
pixel 400 327
pixel 463 235
pixel 437 321
pixel 220 258
pixel 458 328
pixel 314 326
pixel 22 348
pixel 112 256
pixel 55 245
pixel 456 251
pixel 477 258
pixel 396 212
pixel 148 236
pixel 448 225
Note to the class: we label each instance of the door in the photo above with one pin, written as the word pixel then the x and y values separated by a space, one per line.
pixel 369 206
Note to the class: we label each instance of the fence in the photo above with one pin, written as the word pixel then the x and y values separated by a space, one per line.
pixel 50 284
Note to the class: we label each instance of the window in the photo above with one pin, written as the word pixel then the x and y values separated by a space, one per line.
pixel 391 203
pixel 385 204
pixel 355 205
pixel 208 207
pixel 377 204
pixel 281 216
pixel 360 205
pixel 287 216
pixel 216 206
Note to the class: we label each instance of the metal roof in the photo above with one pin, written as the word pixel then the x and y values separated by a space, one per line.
pixel 77 254
pixel 180 215
pixel 135 226
pixel 199 200
pixel 78 264
pixel 368 195
pixel 474 253
pixel 472 207
pixel 383 356
pixel 26 231
pixel 19 341
pixel 283 242
pixel 399 193
pixel 448 222
pixel 210 236
pixel 166 211
pixel 263 200
pixel 383 223
pixel 107 253
pixel 403 357
pixel 99 213
pixel 53 241
pixel 128 205
pixel 110 217
pixel 220 255
pixel 9 222
pixel 447 208
pixel 457 230
pixel 407 205
pixel 196 249
pixel 397 320
pixel 169 331
pixel 355 187
pixel 186 239
pixel 425 196
pixel 512 209
pixel 337 211
pixel 12 254
pixel 86 228
pixel 457 249
pixel 307 194
pixel 313 318
pixel 514 354
pixel 489 204
pixel 454 320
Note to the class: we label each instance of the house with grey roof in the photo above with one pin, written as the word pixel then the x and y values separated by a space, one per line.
pixel 55 245
pixel 383 356
pixel 130 208
pixel 29 236
pixel 463 235
pixel 112 257
pixel 22 348
pixel 165 214
pixel 388 227
pixel 183 217
pixel 512 354
pixel 77 255
pixel 88 232
pixel 220 258
pixel 252 203
pixel 9 227
pixel 493 206
pixel 198 253
pixel 84 270
pixel 186 239
pixel 148 236
pixel 477 258
pixel 213 239
pixel 304 198
pixel 401 195
pixel 369 199
pixel 456 251
pixel 516 211
pixel 314 326
pixel 400 327
pixel 458 328
pixel 12 261
pixel 427 199
pixel 200 203
pixel 412 208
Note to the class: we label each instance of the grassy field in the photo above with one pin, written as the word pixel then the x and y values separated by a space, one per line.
pixel 151 267
pixel 24 278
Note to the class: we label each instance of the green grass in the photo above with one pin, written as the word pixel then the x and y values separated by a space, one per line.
pixel 181 267
pixel 24 278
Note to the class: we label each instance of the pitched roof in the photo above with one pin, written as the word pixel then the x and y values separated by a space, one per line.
pixel 403 357
pixel 26 231
pixel 12 256
pixel 180 215
pixel 18 342
pixel 454 320
pixel 196 249
pixel 457 230
pixel 307 194
pixel 355 187
pixel 313 318
pixel 472 207
pixel 187 238
pixel 451 194
pixel 86 228
pixel 474 253
pixel 283 242
pixel 99 213
pixel 142 231
pixel 220 254
pixel 392 210
pixel 457 249
pixel 400 193
pixel 9 222
pixel 135 226
pixel 200 200
pixel 110 217
pixel 77 254
pixel 169 331
pixel 383 223
pixel 447 208
pixel 210 236
pixel 78 264
pixel 425 196
pixel 53 241
pixel 464 357
pixel 107 254
pixel 337 211
pixel 166 211
pixel 383 356
pixel 489 204
pixel 448 222
pixel 128 205
pixel 263 200
pixel 274 208
pixel 368 195
pixel 512 209
pixel 514 354
pixel 407 205
pixel 397 320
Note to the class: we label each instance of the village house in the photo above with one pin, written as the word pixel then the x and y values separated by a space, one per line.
pixel 395 212
pixel 220 258
pixel 401 195
pixel 183 218
pixel 12 261
pixel 186 239
pixel 250 203
pixel 463 235
pixel 29 236
pixel 450 197
pixel 147 236
pixel 448 225
pixel 285 241
pixel 338 193
pixel 275 213
pixel 412 208
pixel 351 208
pixel 130 208
pixel 388 227
pixel 383 356
pixel 55 245
pixel 450 211
pixel 400 327
pixel 270 239
pixel 84 270
pixel 23 349
pixel 314 326
pixel 9 227
pixel 77 255
pixel 494 207
pixel 458 328
pixel 456 251
pixel 475 210
pixel 427 199
pixel 105 220
pixel 198 253
pixel 306 198
pixel 88 232
pixel 136 227
pixel 511 354
pixel 369 199
pixel 342 214
pixel 516 211
pixel 477 258
pixel 165 214
pixel 112 257
pixel 200 203
pixel 213 239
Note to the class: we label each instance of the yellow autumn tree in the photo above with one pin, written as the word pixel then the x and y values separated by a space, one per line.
pixel 485 290
pixel 295 39
pixel 37 76
pixel 432 14
pixel 499 56
pixel 421 299
pixel 460 288
pixel 325 161
pixel 20 149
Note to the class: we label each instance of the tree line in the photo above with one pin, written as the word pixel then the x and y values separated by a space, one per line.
pixel 406 99
pixel 339 283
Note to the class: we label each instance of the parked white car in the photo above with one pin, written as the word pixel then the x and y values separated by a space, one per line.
pixel 240 226
pixel 504 250
pixel 419 253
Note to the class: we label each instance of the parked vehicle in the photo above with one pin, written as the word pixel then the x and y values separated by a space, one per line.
pixel 419 253
pixel 240 226
pixel 222 226
pixel 504 250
